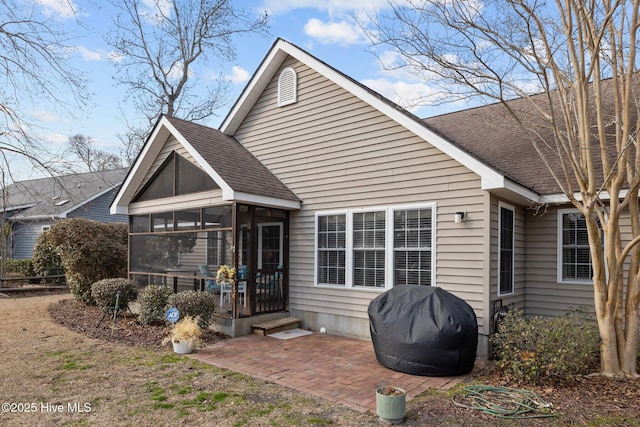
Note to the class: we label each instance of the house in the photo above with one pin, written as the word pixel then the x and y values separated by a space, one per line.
pixel 327 194
pixel 31 206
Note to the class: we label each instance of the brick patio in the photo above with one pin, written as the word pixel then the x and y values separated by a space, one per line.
pixel 338 369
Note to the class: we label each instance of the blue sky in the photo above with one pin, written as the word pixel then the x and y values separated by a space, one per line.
pixel 327 29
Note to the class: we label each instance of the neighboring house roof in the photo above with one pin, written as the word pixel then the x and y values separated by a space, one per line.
pixel 56 197
pixel 234 169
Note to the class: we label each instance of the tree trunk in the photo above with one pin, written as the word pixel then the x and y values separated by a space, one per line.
pixel 609 358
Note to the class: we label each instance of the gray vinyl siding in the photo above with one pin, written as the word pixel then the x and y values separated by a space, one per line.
pixel 23 238
pixel 545 296
pixel 336 152
pixel 98 209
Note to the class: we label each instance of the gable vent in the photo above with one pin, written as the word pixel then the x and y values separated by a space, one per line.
pixel 287 87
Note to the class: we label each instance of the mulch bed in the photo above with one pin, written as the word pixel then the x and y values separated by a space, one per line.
pixel 85 319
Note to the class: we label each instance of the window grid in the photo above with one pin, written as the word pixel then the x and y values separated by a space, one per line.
pixel 412 247
pixel 576 255
pixel 364 249
pixel 369 242
pixel 332 237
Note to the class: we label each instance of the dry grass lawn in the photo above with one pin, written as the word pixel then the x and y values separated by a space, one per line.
pixel 53 376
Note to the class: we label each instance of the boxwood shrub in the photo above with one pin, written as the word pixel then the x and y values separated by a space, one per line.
pixel 104 292
pixel 153 302
pixel 194 304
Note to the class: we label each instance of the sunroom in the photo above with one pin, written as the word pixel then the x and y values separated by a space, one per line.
pixel 192 210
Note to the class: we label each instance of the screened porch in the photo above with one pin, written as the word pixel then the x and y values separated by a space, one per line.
pixel 184 249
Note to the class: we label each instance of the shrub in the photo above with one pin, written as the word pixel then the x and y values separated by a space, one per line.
pixel 23 267
pixel 194 304
pixel 551 350
pixel 90 251
pixel 104 292
pixel 46 262
pixel 18 268
pixel 153 302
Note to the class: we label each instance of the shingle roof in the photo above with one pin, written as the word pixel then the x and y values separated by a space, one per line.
pixel 232 161
pixel 494 137
pixel 55 196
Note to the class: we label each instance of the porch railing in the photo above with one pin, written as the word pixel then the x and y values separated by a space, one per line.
pixel 270 295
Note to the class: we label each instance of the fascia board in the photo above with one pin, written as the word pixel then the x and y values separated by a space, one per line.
pixel 163 130
pixel 263 201
pixel 142 164
pixel 490 177
pixel 226 189
pixel 254 88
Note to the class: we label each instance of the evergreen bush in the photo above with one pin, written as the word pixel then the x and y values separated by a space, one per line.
pixel 46 261
pixel 195 304
pixel 105 291
pixel 23 267
pixel 153 302
pixel 90 251
pixel 551 350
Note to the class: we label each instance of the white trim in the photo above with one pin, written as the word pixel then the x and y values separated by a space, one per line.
pixel 506 206
pixel 291 92
pixel 490 178
pixel 389 243
pixel 559 256
pixel 164 129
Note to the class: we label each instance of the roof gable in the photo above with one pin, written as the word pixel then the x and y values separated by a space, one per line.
pixel 491 178
pixel 240 176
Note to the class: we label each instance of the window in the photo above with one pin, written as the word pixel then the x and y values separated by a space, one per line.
pixel 376 248
pixel 331 244
pixel 369 249
pixel 574 254
pixel 412 246
pixel 287 87
pixel 505 249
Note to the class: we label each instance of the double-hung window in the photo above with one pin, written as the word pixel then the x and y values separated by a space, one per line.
pixel 412 233
pixel 506 243
pixel 331 249
pixel 375 248
pixel 574 254
pixel 369 231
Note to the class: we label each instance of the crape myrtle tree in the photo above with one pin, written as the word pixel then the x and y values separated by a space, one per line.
pixel 580 57
pixel 157 46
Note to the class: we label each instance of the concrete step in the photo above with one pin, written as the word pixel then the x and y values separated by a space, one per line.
pixel 277 325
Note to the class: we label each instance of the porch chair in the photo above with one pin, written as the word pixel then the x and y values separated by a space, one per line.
pixel 210 284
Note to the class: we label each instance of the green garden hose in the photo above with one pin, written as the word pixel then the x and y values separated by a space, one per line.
pixel 503 402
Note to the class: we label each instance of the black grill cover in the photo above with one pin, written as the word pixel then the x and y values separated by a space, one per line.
pixel 423 330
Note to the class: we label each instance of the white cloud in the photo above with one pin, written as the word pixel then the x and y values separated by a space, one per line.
pixel 343 32
pixel 55 138
pixel 238 75
pixel 61 8
pixel 154 10
pixel 333 7
pixel 45 116
pixel 96 55
pixel 411 96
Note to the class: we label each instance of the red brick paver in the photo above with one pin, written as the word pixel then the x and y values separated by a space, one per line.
pixel 338 369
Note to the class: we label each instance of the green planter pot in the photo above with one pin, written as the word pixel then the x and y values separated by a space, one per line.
pixel 391 408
